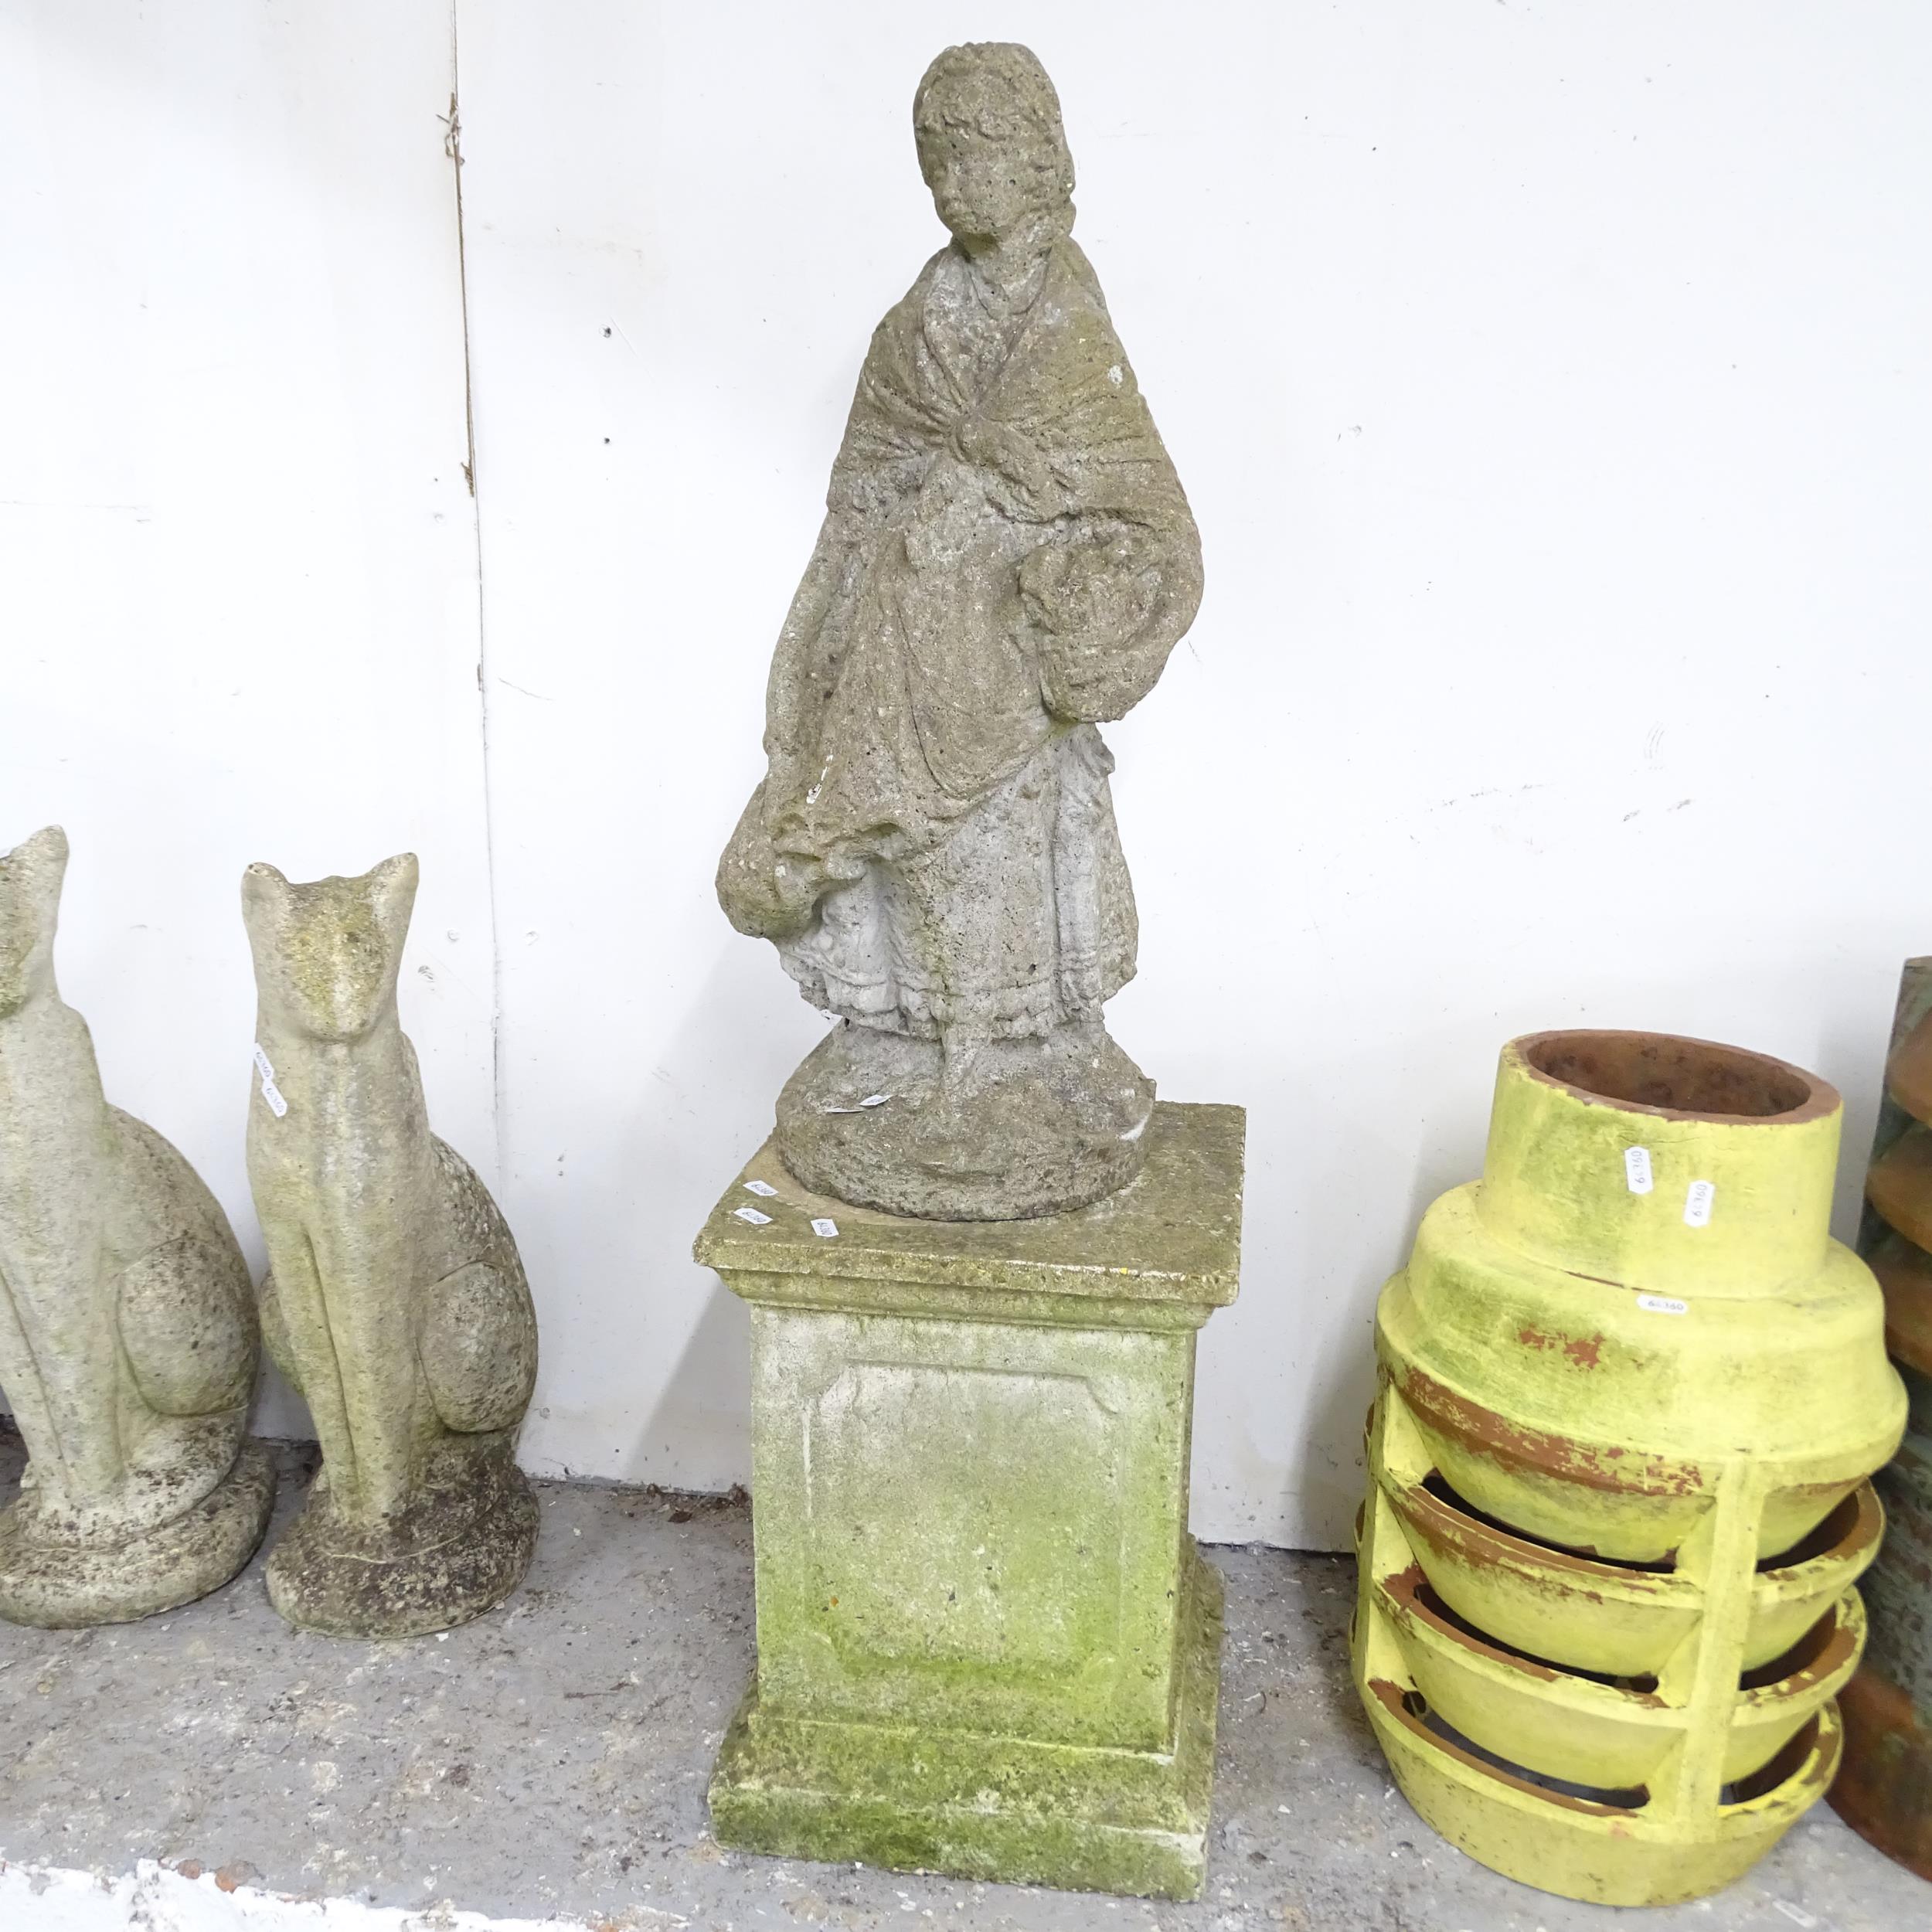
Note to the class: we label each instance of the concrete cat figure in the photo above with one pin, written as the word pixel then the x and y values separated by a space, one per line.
pixel 394 1302
pixel 127 1339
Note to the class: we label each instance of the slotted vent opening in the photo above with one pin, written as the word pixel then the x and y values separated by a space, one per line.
pixel 1787 1763
pixel 1836 1528
pixel 1634 1798
pixel 1801 1655
pixel 1427 1598
pixel 1438 1486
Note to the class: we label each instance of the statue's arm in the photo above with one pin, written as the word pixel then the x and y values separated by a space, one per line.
pixel 807 647
pixel 765 892
pixel 882 459
pixel 767 884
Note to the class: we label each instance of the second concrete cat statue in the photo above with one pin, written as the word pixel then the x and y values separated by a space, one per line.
pixel 396 1302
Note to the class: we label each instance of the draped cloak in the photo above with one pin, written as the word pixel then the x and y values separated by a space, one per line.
pixel 933 843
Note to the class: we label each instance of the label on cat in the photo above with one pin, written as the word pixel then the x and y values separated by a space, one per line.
pixel 826 1227
pixel 752 1215
pixel 1697 1204
pixel 1637 1169
pixel 1662 1304
pixel 763 1188
pixel 270 1092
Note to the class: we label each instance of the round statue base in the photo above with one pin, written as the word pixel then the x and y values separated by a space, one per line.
pixel 459 1548
pixel 1013 1130
pixel 58 1586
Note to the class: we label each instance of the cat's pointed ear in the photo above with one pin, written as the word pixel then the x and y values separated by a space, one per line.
pixel 264 892
pixel 36 867
pixel 391 891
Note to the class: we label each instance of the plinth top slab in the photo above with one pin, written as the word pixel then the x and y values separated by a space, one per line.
pixel 1172 1235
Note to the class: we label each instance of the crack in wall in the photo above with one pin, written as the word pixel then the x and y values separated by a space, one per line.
pixel 452 149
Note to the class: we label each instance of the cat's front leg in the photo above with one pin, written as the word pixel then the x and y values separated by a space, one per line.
pixel 268 1308
pixel 294 1313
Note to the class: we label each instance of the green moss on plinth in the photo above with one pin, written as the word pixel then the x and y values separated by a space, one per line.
pixel 986 1644
pixel 987 1808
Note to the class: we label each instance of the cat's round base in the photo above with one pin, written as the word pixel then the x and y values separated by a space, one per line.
pixel 1017 1128
pixel 462 1544
pixel 73 1586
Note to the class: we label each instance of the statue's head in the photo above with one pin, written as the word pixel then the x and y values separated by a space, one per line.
pixel 991 144
pixel 327 954
pixel 30 877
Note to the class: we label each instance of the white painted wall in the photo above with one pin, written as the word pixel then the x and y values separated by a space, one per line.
pixel 237 552
pixel 1551 382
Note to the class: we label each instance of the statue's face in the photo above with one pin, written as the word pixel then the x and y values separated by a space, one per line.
pixel 990 171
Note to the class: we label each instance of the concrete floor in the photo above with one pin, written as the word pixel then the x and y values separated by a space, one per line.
pixel 552 1759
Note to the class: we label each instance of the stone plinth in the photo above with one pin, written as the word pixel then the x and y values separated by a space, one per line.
pixel 986 1643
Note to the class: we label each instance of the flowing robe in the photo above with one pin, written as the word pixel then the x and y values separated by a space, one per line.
pixel 1007 557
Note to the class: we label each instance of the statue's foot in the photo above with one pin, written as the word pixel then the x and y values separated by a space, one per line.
pixel 459 1548
pixel 60 1583
pixel 1022 1127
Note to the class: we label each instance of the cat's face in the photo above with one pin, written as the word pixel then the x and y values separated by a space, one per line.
pixel 327 954
pixel 30 877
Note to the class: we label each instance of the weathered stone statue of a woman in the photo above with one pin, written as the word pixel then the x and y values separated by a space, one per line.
pixel 1007 559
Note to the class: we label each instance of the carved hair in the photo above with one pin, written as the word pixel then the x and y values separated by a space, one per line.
pixel 1008 79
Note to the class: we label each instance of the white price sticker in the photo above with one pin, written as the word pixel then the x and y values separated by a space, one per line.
pixel 825 1227
pixel 762 1189
pixel 1637 1169
pixel 1662 1304
pixel 1697 1204
pixel 752 1215
pixel 270 1092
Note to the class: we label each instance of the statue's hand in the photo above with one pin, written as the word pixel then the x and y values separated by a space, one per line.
pixel 765 894
pixel 1000 448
